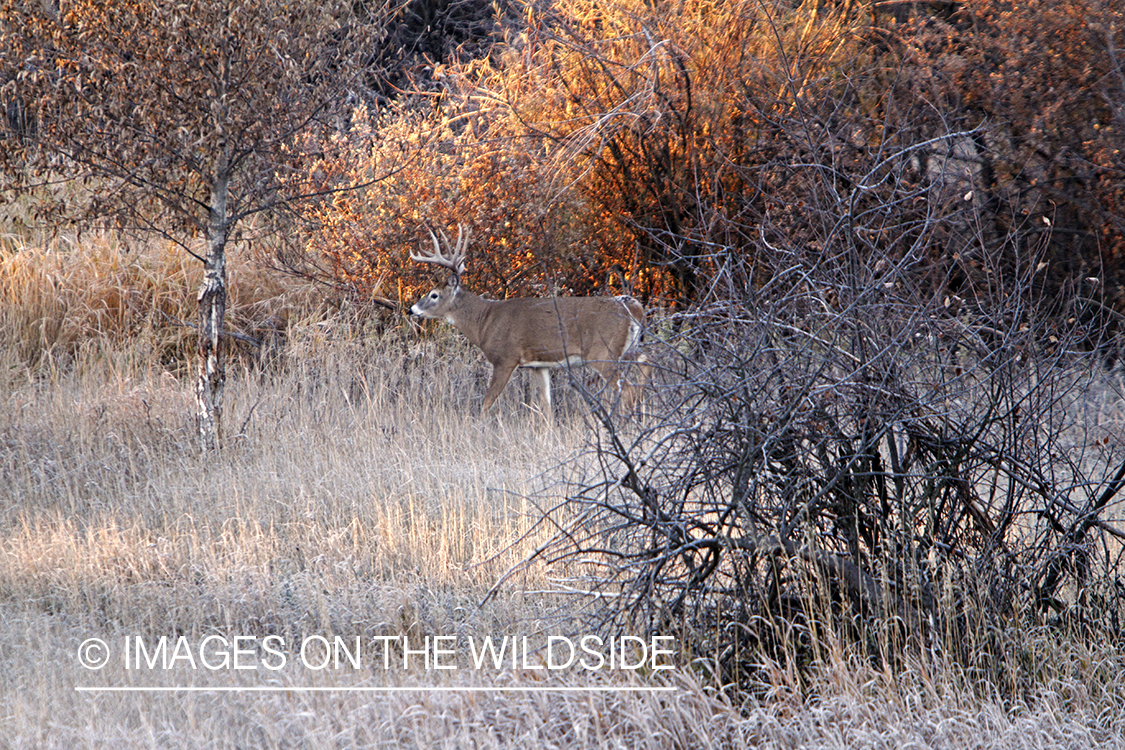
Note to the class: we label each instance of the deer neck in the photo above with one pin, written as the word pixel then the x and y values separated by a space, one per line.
pixel 469 315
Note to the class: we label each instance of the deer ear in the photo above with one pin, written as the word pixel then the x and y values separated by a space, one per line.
pixel 454 280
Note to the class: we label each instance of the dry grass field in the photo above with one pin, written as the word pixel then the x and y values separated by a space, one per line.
pixel 356 498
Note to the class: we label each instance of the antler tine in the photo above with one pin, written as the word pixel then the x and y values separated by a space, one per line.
pixel 455 261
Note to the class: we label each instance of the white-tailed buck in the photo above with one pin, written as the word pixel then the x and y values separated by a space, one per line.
pixel 536 332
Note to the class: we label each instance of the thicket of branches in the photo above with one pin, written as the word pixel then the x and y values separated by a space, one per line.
pixel 875 416
pixel 835 456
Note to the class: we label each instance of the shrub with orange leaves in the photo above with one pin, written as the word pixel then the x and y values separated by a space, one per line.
pixel 702 149
pixel 435 171
pixel 611 140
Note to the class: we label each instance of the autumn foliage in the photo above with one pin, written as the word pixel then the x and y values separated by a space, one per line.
pixel 874 240
pixel 696 146
pixel 1043 84
pixel 677 151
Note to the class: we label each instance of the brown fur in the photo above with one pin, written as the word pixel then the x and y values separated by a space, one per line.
pixel 542 332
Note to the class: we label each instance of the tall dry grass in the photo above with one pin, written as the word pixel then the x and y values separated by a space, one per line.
pixel 64 297
pixel 358 496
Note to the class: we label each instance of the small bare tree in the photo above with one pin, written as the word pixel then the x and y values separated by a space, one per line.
pixel 183 118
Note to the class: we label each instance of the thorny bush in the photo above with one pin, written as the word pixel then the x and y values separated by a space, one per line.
pixel 868 463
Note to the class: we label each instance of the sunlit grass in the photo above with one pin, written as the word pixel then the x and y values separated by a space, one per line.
pixel 360 495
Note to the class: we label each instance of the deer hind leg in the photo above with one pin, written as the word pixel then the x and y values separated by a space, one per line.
pixel 625 380
pixel 501 374
pixel 635 372
pixel 611 381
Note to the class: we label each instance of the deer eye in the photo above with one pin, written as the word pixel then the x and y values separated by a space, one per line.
pixel 433 295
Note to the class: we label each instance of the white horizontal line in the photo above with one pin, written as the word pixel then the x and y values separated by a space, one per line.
pixel 362 689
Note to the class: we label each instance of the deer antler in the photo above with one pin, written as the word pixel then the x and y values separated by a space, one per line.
pixel 455 261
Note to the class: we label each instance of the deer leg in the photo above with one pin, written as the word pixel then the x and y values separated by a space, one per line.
pixel 610 376
pixel 625 379
pixel 544 389
pixel 634 372
pixel 501 374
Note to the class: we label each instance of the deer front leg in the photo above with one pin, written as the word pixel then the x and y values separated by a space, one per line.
pixel 544 389
pixel 501 374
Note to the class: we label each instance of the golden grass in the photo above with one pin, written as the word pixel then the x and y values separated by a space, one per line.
pixel 357 496
pixel 63 299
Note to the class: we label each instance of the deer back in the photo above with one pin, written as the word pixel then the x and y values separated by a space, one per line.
pixel 558 330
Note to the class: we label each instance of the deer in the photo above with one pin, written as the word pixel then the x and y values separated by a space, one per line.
pixel 539 333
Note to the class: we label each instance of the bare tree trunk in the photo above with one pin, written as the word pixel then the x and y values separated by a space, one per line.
pixel 212 308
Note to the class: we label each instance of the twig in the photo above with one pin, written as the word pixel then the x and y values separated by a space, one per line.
pixel 232 334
